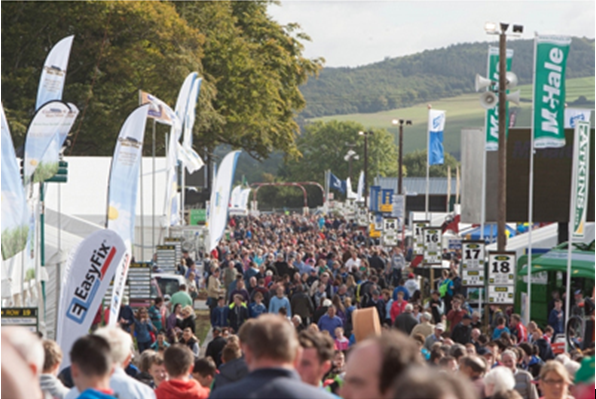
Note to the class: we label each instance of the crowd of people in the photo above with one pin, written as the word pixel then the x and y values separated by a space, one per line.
pixel 283 292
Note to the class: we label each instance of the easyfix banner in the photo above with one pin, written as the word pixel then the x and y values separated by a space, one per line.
pixel 89 269
pixel 53 75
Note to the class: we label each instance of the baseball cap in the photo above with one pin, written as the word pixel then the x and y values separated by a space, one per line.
pixel 440 326
pixel 467 317
pixel 411 275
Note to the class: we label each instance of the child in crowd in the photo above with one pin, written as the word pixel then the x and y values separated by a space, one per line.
pixel 500 328
pixel 204 372
pixel 341 342
pixel 257 308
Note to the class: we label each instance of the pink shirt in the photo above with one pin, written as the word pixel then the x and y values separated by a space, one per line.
pixel 342 344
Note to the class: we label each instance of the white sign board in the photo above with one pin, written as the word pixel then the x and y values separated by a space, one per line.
pixel 433 248
pixel 390 226
pixel 361 217
pixel 418 235
pixel 399 206
pixel 501 278
pixel 472 263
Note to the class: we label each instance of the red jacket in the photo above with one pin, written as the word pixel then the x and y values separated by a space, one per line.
pixel 397 308
pixel 179 389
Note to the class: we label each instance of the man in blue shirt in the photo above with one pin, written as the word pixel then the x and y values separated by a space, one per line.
pixel 280 301
pixel 403 289
pixel 329 321
pixel 556 318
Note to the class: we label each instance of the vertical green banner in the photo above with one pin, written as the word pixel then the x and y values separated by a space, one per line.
pixel 550 59
pixel 492 115
pixel 580 178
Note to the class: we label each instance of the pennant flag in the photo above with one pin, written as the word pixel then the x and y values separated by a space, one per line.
pixel 159 110
pixel 190 158
pixel 15 214
pixel 51 158
pixel 244 197
pixel 360 193
pixel 337 184
pixel 89 270
pixel 122 194
pixel 580 181
pixel 220 198
pixel 436 126
pixel 492 115
pixel 350 194
pixel 44 127
pixel 549 90
pixel 53 75
pixel 573 115
pixel 235 197
pixel 189 120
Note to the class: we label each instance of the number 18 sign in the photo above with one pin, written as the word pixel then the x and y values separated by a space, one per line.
pixel 501 277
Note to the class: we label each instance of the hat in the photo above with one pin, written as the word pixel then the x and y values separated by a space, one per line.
pixel 440 326
pixel 467 317
pixel 167 298
pixel 411 275
pixel 577 292
pixel 482 351
pixel 327 302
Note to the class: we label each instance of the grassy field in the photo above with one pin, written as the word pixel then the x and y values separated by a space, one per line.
pixel 462 112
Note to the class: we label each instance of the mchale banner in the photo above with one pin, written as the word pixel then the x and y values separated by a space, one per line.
pixel 220 198
pixel 492 115
pixel 15 214
pixel 43 129
pixel 53 75
pixel 89 270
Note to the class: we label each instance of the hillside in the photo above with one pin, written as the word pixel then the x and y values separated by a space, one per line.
pixel 426 76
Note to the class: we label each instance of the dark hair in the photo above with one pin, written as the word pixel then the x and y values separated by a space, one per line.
pixel 322 343
pixel 205 366
pixel 182 287
pixel 457 351
pixel 422 382
pixel 271 337
pixel 398 352
pixel 178 358
pixel 500 320
pixel 91 354
pixel 230 352
pixel 158 300
pixel 435 354
pixel 446 359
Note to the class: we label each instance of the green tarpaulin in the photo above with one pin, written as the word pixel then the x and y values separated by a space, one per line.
pixel 582 262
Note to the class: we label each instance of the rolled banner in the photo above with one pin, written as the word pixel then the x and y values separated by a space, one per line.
pixel 360 193
pixel 235 197
pixel 122 193
pixel 189 158
pixel 51 157
pixel 182 102
pixel 220 198
pixel 189 121
pixel 43 129
pixel 15 214
pixel 53 75
pixel 89 270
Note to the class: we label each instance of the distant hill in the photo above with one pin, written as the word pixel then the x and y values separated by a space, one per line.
pixel 427 76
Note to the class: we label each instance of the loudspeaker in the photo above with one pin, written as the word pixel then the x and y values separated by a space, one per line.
pixel 511 80
pixel 514 97
pixel 488 100
pixel 482 82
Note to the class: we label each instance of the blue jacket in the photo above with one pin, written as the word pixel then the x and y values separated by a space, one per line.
pixel 275 304
pixel 93 394
pixel 555 322
pixel 256 310
pixel 273 383
pixel 402 289
pixel 219 316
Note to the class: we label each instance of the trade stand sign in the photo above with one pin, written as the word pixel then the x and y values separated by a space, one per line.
pixel 418 235
pixel 433 251
pixel 472 264
pixel 390 232
pixel 386 201
pixel 501 278
pixel 21 317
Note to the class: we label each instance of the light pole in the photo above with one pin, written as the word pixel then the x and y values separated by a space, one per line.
pixel 491 28
pixel 400 123
pixel 365 134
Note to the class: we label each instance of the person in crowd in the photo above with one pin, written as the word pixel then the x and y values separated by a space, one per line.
pixel 330 321
pixel 91 366
pixel 405 322
pixel 219 314
pixel 214 289
pixel 473 368
pixel 160 344
pixel 556 317
pixel 317 353
pixel 437 336
pixel 523 379
pixel 215 346
pixel 179 363
pixel 386 357
pixel 233 367
pixel 120 347
pixel 554 381
pixel 272 351
pixel 192 285
pixel 448 364
pixel 457 313
pixel 257 308
pixel 51 386
pixel 240 289
pixel 157 369
pixel 425 328
pixel 545 350
pixel 497 380
pixel 141 329
pixel 411 284
pixel 500 328
pixel 188 319
pixel 144 363
pixel 398 306
pixel 204 371
pixel 341 342
pixel 191 341
pixel 157 314
pixel 126 316
pixel 421 382
pixel 238 313
pixel 280 301
pixel 302 305
pixel 181 297
pixel 518 329
pixel 446 289
pixel 462 333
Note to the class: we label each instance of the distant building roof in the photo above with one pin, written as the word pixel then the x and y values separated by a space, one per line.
pixel 417 185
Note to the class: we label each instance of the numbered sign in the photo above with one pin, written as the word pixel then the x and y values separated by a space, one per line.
pixel 418 235
pixel 501 278
pixel 472 263
pixel 501 268
pixel 22 317
pixel 362 216
pixel 378 221
pixel 501 294
pixel 390 229
pixel 433 251
pixel 166 258
pixel 139 280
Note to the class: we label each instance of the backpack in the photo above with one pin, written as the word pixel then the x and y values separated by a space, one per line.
pixel 444 287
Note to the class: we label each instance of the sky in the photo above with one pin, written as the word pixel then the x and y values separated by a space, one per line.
pixel 354 33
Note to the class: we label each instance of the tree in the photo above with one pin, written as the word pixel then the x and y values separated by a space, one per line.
pixel 415 163
pixel 324 146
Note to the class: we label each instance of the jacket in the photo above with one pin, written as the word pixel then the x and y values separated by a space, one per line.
pixel 214 349
pixel 274 383
pixel 230 372
pixel 219 316
pixel 94 394
pixel 123 386
pixel 302 305
pixel 51 387
pixel 461 334
pixel 180 389
pixel 237 316
pixel 405 323
pixel 213 288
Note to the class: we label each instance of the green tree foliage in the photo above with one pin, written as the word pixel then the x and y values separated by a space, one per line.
pixel 324 146
pixel 415 163
pixel 426 76
pixel 251 65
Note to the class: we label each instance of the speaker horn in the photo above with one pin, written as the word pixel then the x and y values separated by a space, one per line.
pixel 514 97
pixel 482 82
pixel 488 100
pixel 511 80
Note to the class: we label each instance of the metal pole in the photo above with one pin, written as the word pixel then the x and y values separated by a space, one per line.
pixel 502 192
pixel 153 193
pixel 427 168
pixel 365 170
pixel 483 188
pixel 400 158
pixel 142 257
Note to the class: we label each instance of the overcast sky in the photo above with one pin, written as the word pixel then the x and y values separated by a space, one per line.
pixel 353 33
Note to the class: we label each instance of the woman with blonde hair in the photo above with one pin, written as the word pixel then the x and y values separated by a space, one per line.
pixel 554 381
pixel 352 286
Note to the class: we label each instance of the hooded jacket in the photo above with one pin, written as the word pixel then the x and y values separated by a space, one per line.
pixel 180 389
pixel 52 387
pixel 230 372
